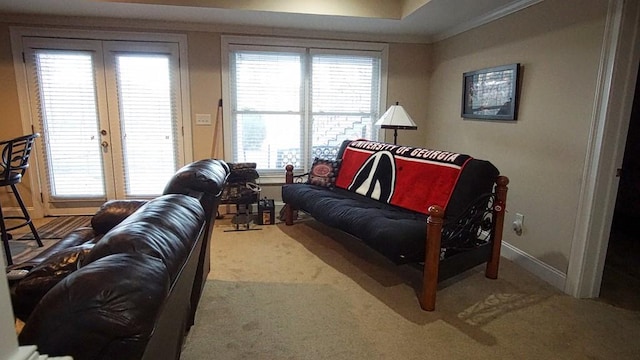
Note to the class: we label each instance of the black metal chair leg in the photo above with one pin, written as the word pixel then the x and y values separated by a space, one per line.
pixel 26 215
pixel 5 239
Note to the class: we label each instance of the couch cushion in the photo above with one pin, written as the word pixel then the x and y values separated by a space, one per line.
pixel 106 311
pixel 388 229
pixel 112 212
pixel 165 228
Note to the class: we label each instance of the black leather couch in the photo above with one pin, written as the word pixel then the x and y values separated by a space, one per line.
pixel 128 286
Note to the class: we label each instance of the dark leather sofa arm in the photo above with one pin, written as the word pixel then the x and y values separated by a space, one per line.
pixel 97 313
pixel 112 213
pixel 63 258
pixel 28 292
pixel 196 179
pixel 164 228
pixel 207 176
pixel 205 180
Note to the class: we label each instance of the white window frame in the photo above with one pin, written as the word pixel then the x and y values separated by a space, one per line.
pixel 18 32
pixel 229 41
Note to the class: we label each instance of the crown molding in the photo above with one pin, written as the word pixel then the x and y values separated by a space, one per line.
pixel 485 19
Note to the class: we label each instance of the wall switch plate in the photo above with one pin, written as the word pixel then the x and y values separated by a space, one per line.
pixel 203 119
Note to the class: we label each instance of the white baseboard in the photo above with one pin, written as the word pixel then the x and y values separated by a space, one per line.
pixel 540 269
pixel 278 206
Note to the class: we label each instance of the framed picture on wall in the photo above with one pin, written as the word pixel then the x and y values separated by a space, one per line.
pixel 491 94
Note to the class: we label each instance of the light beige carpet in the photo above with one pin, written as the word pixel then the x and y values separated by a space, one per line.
pixel 309 292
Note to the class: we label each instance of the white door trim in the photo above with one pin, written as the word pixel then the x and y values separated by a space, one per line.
pixel 609 126
pixel 18 32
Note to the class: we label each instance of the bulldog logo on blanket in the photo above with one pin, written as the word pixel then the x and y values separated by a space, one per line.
pixel 376 177
pixel 390 173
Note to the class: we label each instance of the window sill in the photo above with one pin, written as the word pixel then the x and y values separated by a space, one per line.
pixel 271 179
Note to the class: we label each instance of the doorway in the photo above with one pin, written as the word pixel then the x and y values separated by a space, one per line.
pixel 621 276
pixel 110 115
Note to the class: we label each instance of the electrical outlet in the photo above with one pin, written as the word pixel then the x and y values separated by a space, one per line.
pixel 203 119
pixel 518 223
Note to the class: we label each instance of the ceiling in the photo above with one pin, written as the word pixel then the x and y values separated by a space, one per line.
pixel 423 20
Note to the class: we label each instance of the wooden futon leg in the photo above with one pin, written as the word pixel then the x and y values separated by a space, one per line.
pixel 288 210
pixel 431 259
pixel 498 214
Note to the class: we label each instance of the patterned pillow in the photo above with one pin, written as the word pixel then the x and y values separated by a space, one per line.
pixel 323 172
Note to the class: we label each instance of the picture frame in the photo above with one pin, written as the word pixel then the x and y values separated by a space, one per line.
pixel 491 93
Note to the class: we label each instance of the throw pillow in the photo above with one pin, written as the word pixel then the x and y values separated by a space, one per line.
pixel 324 172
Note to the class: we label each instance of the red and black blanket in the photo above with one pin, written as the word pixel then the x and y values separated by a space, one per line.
pixel 409 177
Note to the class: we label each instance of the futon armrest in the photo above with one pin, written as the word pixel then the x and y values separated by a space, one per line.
pixel 290 178
pixel 472 228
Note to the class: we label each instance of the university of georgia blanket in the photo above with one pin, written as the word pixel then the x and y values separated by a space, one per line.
pixel 409 177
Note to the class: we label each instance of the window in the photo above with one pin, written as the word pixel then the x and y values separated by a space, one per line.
pixel 290 101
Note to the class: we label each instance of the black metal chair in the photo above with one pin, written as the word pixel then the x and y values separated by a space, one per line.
pixel 13 165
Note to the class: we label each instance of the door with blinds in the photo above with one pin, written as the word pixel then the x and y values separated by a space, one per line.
pixel 109 116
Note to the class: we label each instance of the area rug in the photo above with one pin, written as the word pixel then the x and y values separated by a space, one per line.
pixel 24 247
pixel 25 250
pixel 59 227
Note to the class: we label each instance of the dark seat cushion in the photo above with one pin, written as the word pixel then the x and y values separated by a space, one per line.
pixel 388 229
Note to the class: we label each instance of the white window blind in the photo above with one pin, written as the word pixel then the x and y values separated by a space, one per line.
pixel 69 120
pixel 289 105
pixel 345 100
pixel 267 110
pixel 147 121
pixel 71 128
pixel 110 112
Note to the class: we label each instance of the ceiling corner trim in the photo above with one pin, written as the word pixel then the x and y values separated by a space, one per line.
pixel 486 18
pixel 410 6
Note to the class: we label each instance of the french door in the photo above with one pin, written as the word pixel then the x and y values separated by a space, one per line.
pixel 110 119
